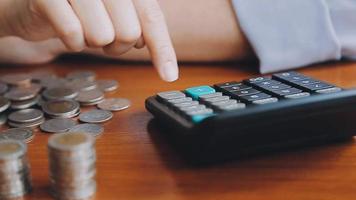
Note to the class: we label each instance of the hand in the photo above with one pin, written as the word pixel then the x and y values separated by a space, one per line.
pixel 116 26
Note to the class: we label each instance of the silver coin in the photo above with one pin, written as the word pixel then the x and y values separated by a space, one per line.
pixel 107 85
pixel 34 87
pixel 59 93
pixel 3 88
pixel 82 85
pixel 20 94
pixel 70 142
pixel 53 82
pixel 91 96
pixel 87 75
pixel 18 105
pixel 115 104
pixel 4 104
pixel 92 103
pixel 93 130
pixel 21 134
pixel 95 116
pixel 11 149
pixel 61 108
pixel 57 125
pixel 31 125
pixel 78 193
pixel 26 116
pixel 16 79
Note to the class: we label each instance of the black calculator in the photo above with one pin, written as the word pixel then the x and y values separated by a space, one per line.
pixel 257 115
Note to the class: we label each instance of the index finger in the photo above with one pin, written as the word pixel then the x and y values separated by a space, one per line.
pixel 156 36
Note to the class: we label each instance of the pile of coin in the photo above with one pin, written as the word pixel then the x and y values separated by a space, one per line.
pixel 38 98
pixel 27 118
pixel 72 160
pixel 15 179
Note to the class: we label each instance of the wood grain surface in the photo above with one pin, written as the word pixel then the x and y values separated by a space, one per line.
pixel 135 161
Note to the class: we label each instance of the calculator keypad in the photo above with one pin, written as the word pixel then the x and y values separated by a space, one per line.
pixel 199 103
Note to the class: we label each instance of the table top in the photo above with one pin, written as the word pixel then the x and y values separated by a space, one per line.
pixel 135 161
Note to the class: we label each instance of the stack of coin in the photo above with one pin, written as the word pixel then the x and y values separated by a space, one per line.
pixel 59 93
pixel 21 134
pixel 15 179
pixel 28 118
pixel 72 160
pixel 90 97
pixel 61 108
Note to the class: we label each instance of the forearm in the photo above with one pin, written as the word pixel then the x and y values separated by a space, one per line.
pixel 201 30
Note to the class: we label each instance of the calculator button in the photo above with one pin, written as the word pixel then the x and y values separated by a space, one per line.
pixel 195 92
pixel 207 96
pixel 265 101
pixel 329 90
pixel 267 83
pixel 186 104
pixel 216 99
pixel 198 116
pixel 232 88
pixel 180 100
pixel 230 107
pixel 245 92
pixel 305 82
pixel 275 87
pixel 192 108
pixel 227 84
pixel 255 97
pixel 200 112
pixel 288 91
pixel 257 80
pixel 170 95
pixel 297 96
pixel 316 86
pixel 224 103
pixel 289 76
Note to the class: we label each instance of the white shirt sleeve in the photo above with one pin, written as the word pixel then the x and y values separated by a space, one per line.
pixel 295 33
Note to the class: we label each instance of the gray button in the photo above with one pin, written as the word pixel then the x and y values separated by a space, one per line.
pixel 193 108
pixel 208 96
pixel 217 99
pixel 224 103
pixel 329 90
pixel 296 96
pixel 186 104
pixel 180 100
pixel 200 112
pixel 265 101
pixel 171 95
pixel 232 107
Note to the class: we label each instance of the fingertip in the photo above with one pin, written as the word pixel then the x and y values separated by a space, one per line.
pixel 169 71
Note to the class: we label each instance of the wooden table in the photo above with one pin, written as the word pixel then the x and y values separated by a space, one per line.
pixel 135 162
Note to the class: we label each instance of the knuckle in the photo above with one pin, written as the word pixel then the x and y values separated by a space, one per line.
pixel 71 31
pixel 101 39
pixel 130 36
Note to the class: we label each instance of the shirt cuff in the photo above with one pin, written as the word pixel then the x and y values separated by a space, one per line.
pixel 288 34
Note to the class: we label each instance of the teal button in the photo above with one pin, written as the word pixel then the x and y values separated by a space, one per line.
pixel 195 92
pixel 198 118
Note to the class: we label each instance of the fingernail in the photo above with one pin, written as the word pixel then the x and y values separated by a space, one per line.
pixel 170 72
